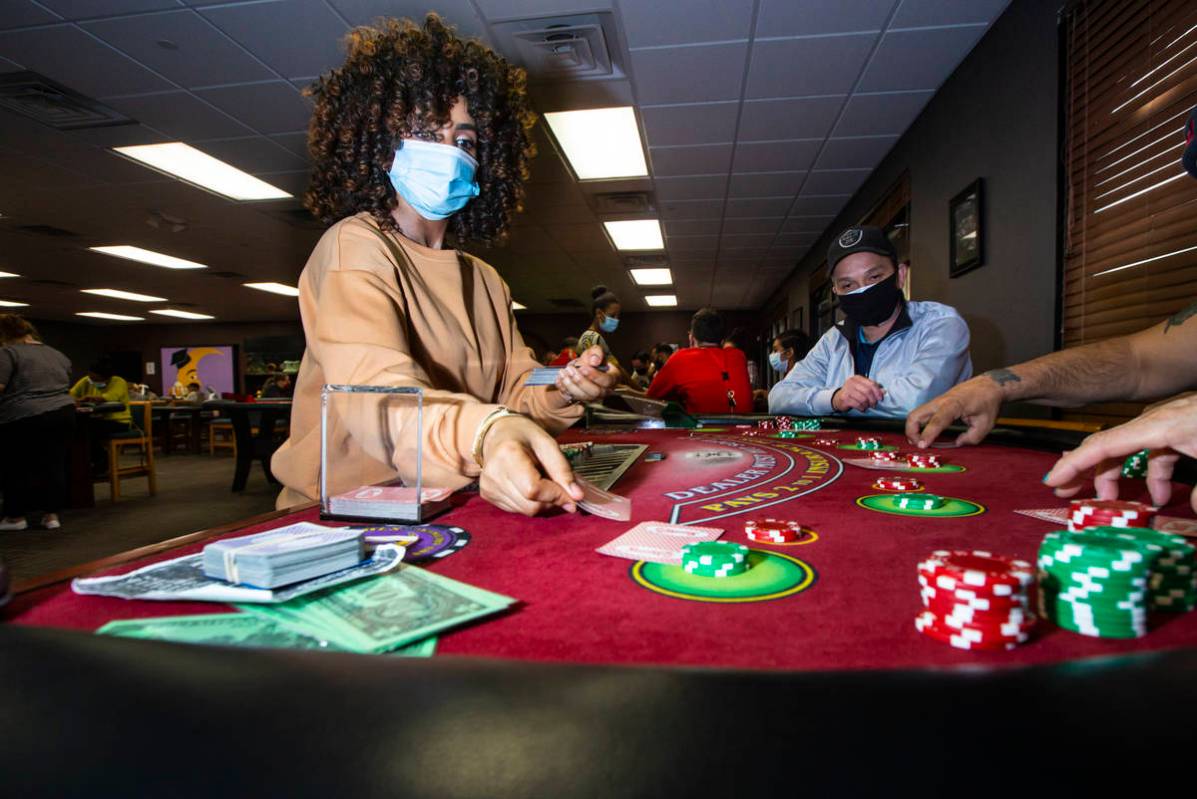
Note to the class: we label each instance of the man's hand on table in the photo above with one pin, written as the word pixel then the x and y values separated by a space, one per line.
pixel 857 394
pixel 975 402
pixel 524 470
pixel 581 381
pixel 1169 430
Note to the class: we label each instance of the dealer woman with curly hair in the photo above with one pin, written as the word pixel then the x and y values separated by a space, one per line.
pixel 421 142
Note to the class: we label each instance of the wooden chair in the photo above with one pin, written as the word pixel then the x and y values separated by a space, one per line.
pixel 141 439
pixel 220 436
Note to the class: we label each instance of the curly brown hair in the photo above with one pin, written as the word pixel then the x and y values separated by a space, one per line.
pixel 400 78
pixel 14 328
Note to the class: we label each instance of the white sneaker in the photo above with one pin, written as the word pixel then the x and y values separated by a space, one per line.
pixel 50 521
pixel 13 525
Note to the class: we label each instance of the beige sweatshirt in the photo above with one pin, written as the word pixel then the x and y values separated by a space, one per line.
pixel 421 319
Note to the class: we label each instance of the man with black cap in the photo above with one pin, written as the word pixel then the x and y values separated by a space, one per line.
pixel 1153 363
pixel 888 355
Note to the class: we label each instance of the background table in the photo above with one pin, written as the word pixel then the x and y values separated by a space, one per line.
pixel 252 446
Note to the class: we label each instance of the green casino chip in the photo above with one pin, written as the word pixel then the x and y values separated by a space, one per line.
pixel 1135 466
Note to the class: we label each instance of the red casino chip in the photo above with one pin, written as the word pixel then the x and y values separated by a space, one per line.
pixel 883 455
pixel 825 442
pixel 923 460
pixel 977 570
pixel 927 624
pixel 945 602
pixel 897 483
pixel 773 531
pixel 1116 507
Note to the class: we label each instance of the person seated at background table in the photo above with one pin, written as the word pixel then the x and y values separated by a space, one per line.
pixel 37 416
pixel 705 377
pixel 640 363
pixel 566 353
pixel 421 142
pixel 660 354
pixel 102 385
pixel 277 387
pixel 889 354
pixel 787 350
pixel 1149 365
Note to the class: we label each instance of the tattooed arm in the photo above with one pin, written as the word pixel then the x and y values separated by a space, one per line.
pixel 1153 363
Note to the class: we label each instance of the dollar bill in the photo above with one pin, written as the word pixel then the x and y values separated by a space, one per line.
pixel 184 579
pixel 236 629
pixel 385 612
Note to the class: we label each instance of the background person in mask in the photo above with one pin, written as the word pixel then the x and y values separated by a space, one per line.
pixel 98 386
pixel 604 320
pixel 888 355
pixel 421 137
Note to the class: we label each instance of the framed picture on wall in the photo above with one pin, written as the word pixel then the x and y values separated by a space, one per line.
pixel 966 234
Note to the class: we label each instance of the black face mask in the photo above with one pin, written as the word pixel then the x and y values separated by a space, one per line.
pixel 874 305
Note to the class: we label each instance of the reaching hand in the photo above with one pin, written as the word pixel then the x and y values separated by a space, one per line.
pixel 858 393
pixel 581 380
pixel 523 469
pixel 976 402
pixel 1168 430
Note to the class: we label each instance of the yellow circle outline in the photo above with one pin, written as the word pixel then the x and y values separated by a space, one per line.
pixel 980 508
pixel 656 589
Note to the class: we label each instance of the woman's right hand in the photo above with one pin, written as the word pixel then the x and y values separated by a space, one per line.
pixel 523 469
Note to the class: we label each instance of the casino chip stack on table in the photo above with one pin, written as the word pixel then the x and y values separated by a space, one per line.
pixel 897 483
pixel 772 531
pixel 923 460
pixel 975 600
pixel 715 558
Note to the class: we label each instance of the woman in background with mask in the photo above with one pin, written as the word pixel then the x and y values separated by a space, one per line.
pixel 604 310
pixel 788 349
pixel 420 142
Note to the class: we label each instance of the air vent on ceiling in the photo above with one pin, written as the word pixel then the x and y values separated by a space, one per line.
pixel 574 47
pixel 43 100
pixel 47 230
pixel 645 261
pixel 226 275
pixel 622 202
pixel 568 302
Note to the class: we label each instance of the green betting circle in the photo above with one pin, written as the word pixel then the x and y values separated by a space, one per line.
pixel 770 575
pixel 952 507
pixel 856 448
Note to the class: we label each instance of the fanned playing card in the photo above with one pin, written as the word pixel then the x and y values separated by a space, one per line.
pixel 657 542
pixel 602 503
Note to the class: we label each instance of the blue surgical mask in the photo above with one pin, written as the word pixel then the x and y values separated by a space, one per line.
pixel 436 179
pixel 608 324
pixel 778 363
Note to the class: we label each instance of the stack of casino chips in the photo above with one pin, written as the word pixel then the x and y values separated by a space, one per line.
pixel 922 460
pixel 787 433
pixel 825 442
pixel 772 531
pixel 1086 513
pixel 897 482
pixel 919 501
pixel 785 422
pixel 1095 582
pixel 868 442
pixel 1135 466
pixel 766 424
pixel 883 456
pixel 975 600
pixel 808 424
pixel 1173 581
pixel 715 558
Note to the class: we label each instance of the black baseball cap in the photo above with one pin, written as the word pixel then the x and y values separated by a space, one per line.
pixel 860 239
pixel 1189 159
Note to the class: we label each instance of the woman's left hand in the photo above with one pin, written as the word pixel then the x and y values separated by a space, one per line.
pixel 581 381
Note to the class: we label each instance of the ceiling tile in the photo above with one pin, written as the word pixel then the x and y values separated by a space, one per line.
pixel 201 56
pixel 588 237
pixel 880 114
pixel 270 31
pixel 253 154
pixel 295 141
pixel 698 187
pixel 89 9
pixel 834 181
pixel 19 13
pixel 531 240
pixel 810 17
pixel 759 206
pixel 807 118
pixel 460 13
pixel 800 67
pixel 761 225
pixel 181 115
pixel 820 205
pixel 687 227
pixel 765 184
pixel 706 123
pixel 685 21
pixel 918 59
pixel 693 244
pixel 295 182
pixel 775 156
pixel 691 209
pixel 795 240
pixel 696 74
pixel 745 241
pixel 924 13
pixel 75 59
pixel 267 107
pixel 699 160
pixel 860 153
pixel 807 223
pixel 504 9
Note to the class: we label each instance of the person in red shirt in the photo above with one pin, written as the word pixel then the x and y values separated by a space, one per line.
pixel 567 352
pixel 705 377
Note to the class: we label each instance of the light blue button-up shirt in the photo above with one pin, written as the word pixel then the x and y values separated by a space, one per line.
pixel 913 365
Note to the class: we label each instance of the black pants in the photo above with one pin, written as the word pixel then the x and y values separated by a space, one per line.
pixel 33 468
pixel 100 432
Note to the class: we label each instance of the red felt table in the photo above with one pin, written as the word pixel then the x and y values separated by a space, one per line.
pixel 855 611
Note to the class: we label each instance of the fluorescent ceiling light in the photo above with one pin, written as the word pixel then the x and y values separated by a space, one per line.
pixel 8 274
pixel 652 277
pixel 147 257
pixel 181 314
pixel 189 164
pixel 518 306
pixel 636 234
pixel 275 288
pixel 661 300
pixel 13 304
pixel 117 294
pixel 600 143
pixel 116 317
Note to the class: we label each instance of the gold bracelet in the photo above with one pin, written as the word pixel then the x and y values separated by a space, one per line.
pixel 484 427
